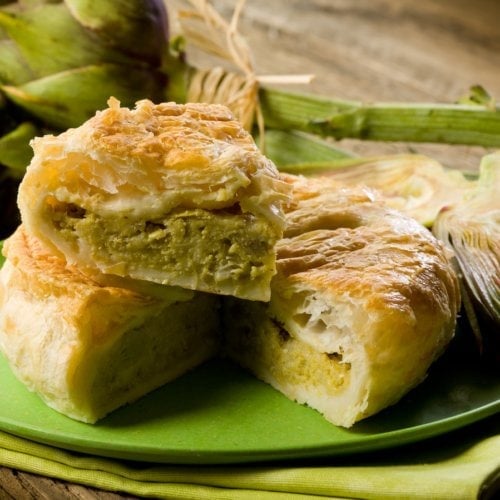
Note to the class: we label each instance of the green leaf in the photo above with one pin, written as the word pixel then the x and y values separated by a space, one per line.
pixel 479 96
pixel 51 40
pixel 135 27
pixel 69 98
pixel 13 68
pixel 288 148
pixel 15 151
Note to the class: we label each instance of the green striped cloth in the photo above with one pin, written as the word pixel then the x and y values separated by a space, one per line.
pixel 460 465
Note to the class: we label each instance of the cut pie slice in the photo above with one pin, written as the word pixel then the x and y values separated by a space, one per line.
pixel 175 194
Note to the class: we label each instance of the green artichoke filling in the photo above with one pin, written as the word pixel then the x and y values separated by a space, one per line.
pixel 213 246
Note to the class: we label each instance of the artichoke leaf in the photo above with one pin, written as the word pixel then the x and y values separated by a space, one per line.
pixel 51 40
pixel 13 68
pixel 472 230
pixel 69 98
pixel 138 28
pixel 15 151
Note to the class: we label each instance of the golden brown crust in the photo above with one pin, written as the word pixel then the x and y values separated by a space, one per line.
pixel 50 274
pixel 190 155
pixel 348 240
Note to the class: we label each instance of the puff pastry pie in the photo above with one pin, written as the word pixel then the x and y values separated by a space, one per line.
pixel 363 302
pixel 170 193
pixel 87 349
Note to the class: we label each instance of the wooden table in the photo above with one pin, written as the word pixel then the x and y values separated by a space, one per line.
pixel 383 50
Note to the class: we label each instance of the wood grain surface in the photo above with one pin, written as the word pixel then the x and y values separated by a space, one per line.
pixel 369 50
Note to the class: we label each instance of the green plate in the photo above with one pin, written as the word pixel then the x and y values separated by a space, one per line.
pixel 220 414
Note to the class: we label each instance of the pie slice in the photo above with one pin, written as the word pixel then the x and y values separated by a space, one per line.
pixel 174 194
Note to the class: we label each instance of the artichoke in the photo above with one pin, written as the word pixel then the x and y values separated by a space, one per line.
pixel 62 60
pixel 472 230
